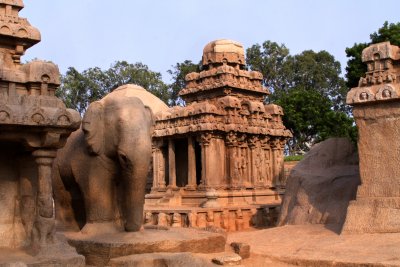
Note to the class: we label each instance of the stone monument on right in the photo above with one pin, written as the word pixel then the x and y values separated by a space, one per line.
pixel 376 109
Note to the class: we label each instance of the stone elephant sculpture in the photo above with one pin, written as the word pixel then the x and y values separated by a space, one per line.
pixel 99 177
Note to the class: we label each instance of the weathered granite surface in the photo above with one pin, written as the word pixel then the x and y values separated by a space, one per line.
pixel 320 186
pixel 376 103
pixel 99 249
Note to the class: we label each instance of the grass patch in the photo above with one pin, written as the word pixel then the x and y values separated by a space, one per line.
pixel 294 158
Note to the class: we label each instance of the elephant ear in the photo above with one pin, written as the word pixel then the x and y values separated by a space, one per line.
pixel 150 118
pixel 93 128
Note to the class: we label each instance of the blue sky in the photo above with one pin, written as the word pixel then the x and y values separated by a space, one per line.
pixel 160 33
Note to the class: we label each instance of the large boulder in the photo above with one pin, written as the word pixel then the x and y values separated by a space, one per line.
pixel 320 187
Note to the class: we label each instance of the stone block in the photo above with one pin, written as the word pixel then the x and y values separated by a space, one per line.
pixel 101 248
pixel 242 249
pixel 227 260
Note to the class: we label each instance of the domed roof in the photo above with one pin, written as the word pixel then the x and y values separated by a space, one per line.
pixel 223 50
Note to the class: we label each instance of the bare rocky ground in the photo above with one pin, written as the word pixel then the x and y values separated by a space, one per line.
pixel 319 245
pixel 293 245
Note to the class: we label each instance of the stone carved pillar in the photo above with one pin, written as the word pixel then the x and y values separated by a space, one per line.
pixel 171 164
pixel 376 109
pixel 191 165
pixel 254 160
pixel 277 159
pixel 44 225
pixel 158 166
pixel 242 161
pixel 232 163
pixel 265 155
pixel 205 139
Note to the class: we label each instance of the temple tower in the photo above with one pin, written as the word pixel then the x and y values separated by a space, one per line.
pixel 33 125
pixel 225 147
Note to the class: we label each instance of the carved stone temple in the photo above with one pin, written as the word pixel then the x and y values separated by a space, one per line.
pixel 33 125
pixel 218 161
pixel 376 109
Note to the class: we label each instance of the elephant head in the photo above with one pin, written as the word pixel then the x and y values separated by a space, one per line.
pixel 118 129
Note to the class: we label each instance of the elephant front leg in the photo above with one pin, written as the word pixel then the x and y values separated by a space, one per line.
pixel 99 201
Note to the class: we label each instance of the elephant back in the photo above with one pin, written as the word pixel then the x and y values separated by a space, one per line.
pixel 132 90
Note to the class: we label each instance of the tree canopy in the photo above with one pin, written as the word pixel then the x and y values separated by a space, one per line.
pixel 178 73
pixel 78 89
pixel 318 71
pixel 355 68
pixel 310 118
pixel 310 90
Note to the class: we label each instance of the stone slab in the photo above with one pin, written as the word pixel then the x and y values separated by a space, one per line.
pixel 162 259
pixel 316 245
pixel 228 259
pixel 98 249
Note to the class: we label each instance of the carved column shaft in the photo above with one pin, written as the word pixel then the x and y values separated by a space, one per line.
pixel 254 171
pixel 171 164
pixel 191 164
pixel 45 222
pixel 203 181
pixel 156 165
pixel 233 171
pixel 205 142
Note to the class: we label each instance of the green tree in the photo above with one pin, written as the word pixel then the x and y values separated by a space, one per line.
pixel 310 89
pixel 355 67
pixel 320 72
pixel 310 70
pixel 273 61
pixel 178 73
pixel 310 118
pixel 78 89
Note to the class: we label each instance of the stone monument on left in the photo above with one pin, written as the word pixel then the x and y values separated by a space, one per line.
pixel 33 125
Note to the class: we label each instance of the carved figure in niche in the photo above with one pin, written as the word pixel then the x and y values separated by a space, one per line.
pixel 201 220
pixel 225 219
pixel 267 166
pixel 210 218
pixel 232 221
pixel 246 219
pixel 244 112
pixel 161 173
pixel 176 220
pixel 110 153
pixel 259 164
pixel 362 82
pixel 379 79
pixel 239 220
pixel 162 219
pixel 192 217
pixel 243 163
pixel 236 170
pixel 217 219
pixel 148 218
pixel 389 78
pixel 386 93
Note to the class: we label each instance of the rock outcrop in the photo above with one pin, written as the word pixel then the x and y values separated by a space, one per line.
pixel 320 187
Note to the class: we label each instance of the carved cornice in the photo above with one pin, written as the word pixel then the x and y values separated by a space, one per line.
pixel 382 79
